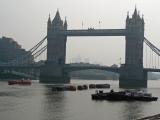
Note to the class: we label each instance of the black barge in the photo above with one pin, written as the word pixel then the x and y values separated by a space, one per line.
pixel 127 95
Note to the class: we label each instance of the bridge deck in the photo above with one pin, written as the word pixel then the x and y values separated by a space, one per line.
pixel 70 68
pixel 152 70
pixel 96 32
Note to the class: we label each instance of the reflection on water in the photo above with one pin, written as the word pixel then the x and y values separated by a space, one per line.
pixel 132 110
pixel 38 102
pixel 53 107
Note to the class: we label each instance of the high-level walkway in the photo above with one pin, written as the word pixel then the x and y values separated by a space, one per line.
pixel 95 32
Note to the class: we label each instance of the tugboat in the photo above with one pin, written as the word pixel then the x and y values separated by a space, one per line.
pixel 127 95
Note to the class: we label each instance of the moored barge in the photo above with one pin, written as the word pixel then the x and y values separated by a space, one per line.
pixel 127 95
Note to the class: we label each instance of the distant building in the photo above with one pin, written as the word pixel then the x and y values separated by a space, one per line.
pixel 10 49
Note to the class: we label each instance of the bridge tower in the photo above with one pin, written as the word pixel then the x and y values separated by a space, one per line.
pixel 132 74
pixel 56 52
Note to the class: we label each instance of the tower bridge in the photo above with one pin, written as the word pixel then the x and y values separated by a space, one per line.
pixel 55 70
pixel 131 73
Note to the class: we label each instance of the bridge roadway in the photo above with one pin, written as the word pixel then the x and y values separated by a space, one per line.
pixel 67 67
pixel 151 70
pixel 94 32
pixel 14 67
pixel 70 68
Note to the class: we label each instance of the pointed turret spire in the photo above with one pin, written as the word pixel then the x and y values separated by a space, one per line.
pixel 127 16
pixel 135 11
pixel 49 19
pixel 65 24
pixel 139 14
pixel 57 23
pixel 57 16
pixel 142 16
pixel 49 26
pixel 142 19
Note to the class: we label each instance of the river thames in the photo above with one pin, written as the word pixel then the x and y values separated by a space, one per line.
pixel 38 102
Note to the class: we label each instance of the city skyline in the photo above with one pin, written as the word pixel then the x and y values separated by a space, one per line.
pixel 25 21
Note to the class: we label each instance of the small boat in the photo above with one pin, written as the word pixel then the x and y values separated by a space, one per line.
pixel 99 86
pixel 19 82
pixel 127 95
pixel 58 88
pixel 85 87
pixel 80 87
pixel 92 86
pixel 102 85
pixel 71 88
pixel 64 88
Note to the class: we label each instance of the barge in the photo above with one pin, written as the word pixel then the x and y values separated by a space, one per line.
pixel 127 95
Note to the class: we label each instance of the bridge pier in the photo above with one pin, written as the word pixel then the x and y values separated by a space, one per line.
pixel 51 73
pixel 132 78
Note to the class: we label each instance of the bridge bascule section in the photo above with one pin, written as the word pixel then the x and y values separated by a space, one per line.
pixel 55 70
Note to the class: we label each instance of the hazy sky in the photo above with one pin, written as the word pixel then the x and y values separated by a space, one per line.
pixel 25 21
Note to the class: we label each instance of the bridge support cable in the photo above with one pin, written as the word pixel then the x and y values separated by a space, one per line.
pixel 158 62
pixel 150 58
pixel 154 55
pixel 35 55
pixel 153 47
pixel 146 53
pixel 39 52
pixel 37 45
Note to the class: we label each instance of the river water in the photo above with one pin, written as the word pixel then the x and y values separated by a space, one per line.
pixel 38 102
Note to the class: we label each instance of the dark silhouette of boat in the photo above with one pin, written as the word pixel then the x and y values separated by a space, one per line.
pixel 127 95
pixel 99 86
pixel 64 88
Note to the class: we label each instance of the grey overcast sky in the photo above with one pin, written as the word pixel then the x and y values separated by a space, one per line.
pixel 25 21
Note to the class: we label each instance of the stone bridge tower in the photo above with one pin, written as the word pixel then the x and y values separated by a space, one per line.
pixel 132 74
pixel 56 52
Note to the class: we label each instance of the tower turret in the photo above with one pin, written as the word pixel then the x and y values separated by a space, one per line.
pixel 135 23
pixel 127 19
pixel 57 23
pixel 135 13
pixel 49 25
pixel 142 20
pixel 65 24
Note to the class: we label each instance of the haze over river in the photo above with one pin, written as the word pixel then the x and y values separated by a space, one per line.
pixel 38 102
